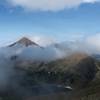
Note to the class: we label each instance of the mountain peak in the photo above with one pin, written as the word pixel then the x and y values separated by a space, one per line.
pixel 24 41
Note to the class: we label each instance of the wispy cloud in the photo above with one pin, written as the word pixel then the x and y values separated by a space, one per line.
pixel 94 41
pixel 43 40
pixel 48 5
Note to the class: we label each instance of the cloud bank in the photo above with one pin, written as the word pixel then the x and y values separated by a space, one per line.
pixel 43 40
pixel 48 5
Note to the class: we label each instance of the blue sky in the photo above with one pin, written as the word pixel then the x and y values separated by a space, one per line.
pixel 64 23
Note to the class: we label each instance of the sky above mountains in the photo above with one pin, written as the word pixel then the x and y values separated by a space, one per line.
pixel 53 20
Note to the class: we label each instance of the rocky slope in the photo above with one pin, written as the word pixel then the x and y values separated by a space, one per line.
pixel 74 70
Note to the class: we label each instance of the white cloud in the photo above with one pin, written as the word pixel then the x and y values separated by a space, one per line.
pixel 94 41
pixel 43 41
pixel 48 5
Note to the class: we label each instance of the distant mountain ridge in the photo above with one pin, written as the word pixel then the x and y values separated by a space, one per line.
pixel 24 41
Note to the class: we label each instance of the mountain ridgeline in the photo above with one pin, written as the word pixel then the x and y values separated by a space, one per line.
pixel 24 41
